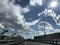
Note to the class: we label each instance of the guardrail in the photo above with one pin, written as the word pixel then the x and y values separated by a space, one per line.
pixel 14 43
pixel 49 41
pixel 11 42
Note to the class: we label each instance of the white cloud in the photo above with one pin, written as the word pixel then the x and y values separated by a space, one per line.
pixel 11 29
pixel 3 5
pixel 55 17
pixel 27 34
pixel 52 31
pixel 12 12
pixel 56 30
pixel 45 25
pixel 50 12
pixel 39 33
pixel 34 2
pixel 1 26
pixel 49 32
pixel 30 35
pixel 39 14
pixel 32 23
pixel 13 17
pixel 47 12
pixel 57 20
pixel 26 9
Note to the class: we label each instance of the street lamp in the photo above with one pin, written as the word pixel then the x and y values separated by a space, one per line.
pixel 49 10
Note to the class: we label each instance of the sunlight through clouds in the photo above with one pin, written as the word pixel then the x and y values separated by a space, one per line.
pixel 13 16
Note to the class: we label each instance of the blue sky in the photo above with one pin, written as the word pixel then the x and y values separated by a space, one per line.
pixel 27 17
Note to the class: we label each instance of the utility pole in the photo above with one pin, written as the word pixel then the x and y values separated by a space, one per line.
pixel 44 27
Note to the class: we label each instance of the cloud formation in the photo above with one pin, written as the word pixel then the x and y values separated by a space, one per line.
pixel 3 5
pixel 32 23
pixel 50 12
pixel 39 33
pixel 57 20
pixel 45 25
pixel 12 17
pixel 12 13
pixel 52 31
pixel 36 2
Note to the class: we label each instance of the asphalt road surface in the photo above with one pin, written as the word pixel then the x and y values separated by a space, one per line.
pixel 35 43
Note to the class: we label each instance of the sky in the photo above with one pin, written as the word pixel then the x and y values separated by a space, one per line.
pixel 29 18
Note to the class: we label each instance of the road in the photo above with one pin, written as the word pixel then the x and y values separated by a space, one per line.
pixel 35 43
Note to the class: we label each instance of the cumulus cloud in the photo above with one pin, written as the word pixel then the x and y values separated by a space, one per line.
pixel 49 32
pixel 34 2
pixel 39 14
pixel 12 13
pixel 27 34
pixel 45 25
pixel 56 30
pixel 52 31
pixel 26 9
pixel 55 17
pixel 39 33
pixel 3 5
pixel 12 16
pixel 30 35
pixel 11 29
pixel 1 26
pixel 50 12
pixel 57 20
pixel 32 23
